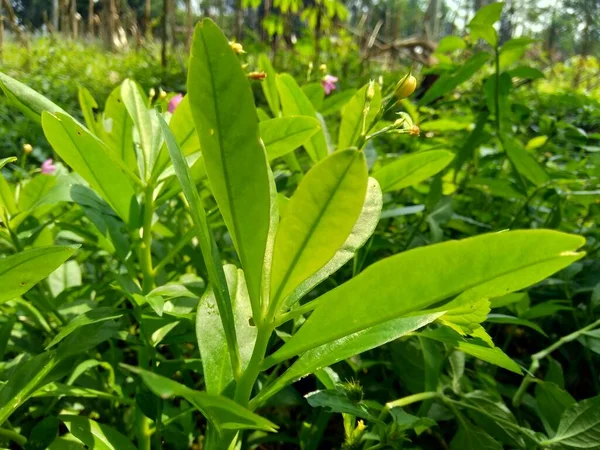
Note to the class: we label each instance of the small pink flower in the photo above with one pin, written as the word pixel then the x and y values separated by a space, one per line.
pixel 328 83
pixel 174 103
pixel 48 167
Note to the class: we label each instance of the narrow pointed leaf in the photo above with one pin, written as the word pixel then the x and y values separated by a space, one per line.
pixel 88 105
pixel 411 169
pixel 318 219
pixel 579 426
pixel 524 162
pixel 269 85
pixel 489 265
pixel 224 112
pixel 96 435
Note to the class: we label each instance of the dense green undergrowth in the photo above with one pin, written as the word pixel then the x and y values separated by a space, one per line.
pixel 378 270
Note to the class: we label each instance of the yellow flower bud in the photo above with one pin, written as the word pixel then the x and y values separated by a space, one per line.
pixel 152 93
pixel 257 76
pixel 237 47
pixel 162 95
pixel 414 131
pixel 360 426
pixel 405 87
pixel 323 67
pixel 370 91
pixel 27 148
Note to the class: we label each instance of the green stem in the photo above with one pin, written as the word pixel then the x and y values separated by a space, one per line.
pixel 13 436
pixel 497 90
pixel 536 358
pixel 146 246
pixel 246 382
pixel 405 401
pixel 290 315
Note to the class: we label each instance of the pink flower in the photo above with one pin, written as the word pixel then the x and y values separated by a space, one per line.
pixel 48 167
pixel 174 103
pixel 328 83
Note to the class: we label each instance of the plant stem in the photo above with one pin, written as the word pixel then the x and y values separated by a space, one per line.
pixel 146 246
pixel 405 401
pixel 13 436
pixel 536 358
pixel 290 315
pixel 497 90
pixel 246 382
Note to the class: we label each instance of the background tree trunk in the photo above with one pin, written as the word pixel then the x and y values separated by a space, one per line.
pixel 90 24
pixel 1 33
pixel 189 25
pixel 165 34
pixel 55 14
pixel 147 19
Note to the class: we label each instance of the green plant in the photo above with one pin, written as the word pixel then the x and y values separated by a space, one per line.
pixel 190 235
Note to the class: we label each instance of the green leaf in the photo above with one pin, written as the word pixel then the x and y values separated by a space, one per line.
pixel 335 102
pixel 524 163
pixel 35 188
pixel 222 412
pixel 149 142
pixel 43 434
pixel 527 73
pixel 508 299
pixel 295 103
pixel 546 309
pixel 285 134
pixel 536 142
pixel 485 32
pixel 82 339
pixel 315 93
pixel 447 82
pixel 223 108
pixel 409 170
pixel 211 336
pixel 88 106
pixel 5 161
pixel 328 354
pixel 210 251
pixel 363 229
pixel 30 102
pixel 269 85
pixel 449 44
pixel 20 272
pixel 7 198
pixel 579 426
pixel 470 437
pixel 67 442
pixel 66 276
pixel 513 50
pixel 338 402
pixel 318 219
pixel 487 15
pixel 93 316
pixel 477 347
pixel 23 382
pixel 489 265
pixel 552 401
pixel 95 162
pixel 496 188
pixel 501 318
pixel 116 129
pixel 96 435
pixel 351 125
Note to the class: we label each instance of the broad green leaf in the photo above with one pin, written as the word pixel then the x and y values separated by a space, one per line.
pixel 64 390
pixel 223 108
pixel 211 336
pixel 488 15
pixel 66 276
pixel 337 402
pixel 328 354
pixel 579 426
pixel 210 251
pixel 470 437
pixel 513 50
pixel 146 129
pixel 486 32
pixel 96 315
pixel 116 129
pixel 495 187
pixel 5 334
pixel 20 272
pixel 35 188
pixel 363 229
pixel 315 93
pixel 464 315
pixel 488 265
pixel 536 142
pixel 43 434
pixel 318 219
pixel 221 412
pixel 269 85
pixel 96 435
pixel 30 102
pixel 524 162
pixel 449 44
pixel 67 442
pixel 88 106
pixel 409 170
pixel 508 299
pixel 446 125
pixel 8 205
pixel 285 134
pixel 449 81
pixel 552 401
pixel 501 318
pixel 84 338
pixel 527 73
pixel 23 382
pixel 351 126
pixel 294 102
pixel 95 162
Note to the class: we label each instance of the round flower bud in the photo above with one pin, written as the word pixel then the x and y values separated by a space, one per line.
pixel 237 47
pixel 405 87
pixel 27 148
